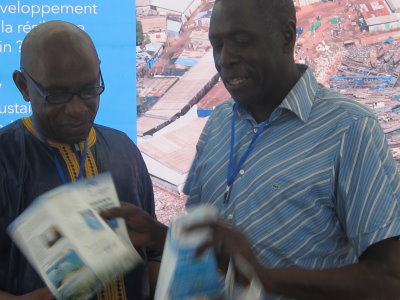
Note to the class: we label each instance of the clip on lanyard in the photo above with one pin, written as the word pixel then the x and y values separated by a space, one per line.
pixel 57 162
pixel 233 172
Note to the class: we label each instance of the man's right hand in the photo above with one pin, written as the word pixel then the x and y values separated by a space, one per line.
pixel 39 294
pixel 142 228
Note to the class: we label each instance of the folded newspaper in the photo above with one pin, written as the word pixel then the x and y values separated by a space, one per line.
pixel 183 276
pixel 72 248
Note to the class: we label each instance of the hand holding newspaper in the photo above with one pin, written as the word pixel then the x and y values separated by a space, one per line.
pixel 72 248
pixel 184 276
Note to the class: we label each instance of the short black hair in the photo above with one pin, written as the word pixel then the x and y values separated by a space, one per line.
pixel 281 10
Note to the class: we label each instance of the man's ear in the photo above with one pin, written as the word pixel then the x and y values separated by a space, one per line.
pixel 289 35
pixel 20 82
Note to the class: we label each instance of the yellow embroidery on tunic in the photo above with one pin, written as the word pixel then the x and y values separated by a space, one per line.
pixel 67 153
pixel 114 291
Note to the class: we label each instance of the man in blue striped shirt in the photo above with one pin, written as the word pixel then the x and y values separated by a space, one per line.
pixel 303 175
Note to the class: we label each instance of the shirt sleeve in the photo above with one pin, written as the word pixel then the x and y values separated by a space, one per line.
pixel 191 187
pixel 368 185
pixel 194 181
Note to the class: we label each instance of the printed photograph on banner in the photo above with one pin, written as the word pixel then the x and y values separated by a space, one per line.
pixel 351 45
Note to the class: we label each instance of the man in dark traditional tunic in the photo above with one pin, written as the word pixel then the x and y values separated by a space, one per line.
pixel 60 76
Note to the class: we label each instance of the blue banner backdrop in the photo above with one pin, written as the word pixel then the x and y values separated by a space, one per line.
pixel 112 26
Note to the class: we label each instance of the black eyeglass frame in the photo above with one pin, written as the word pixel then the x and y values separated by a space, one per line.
pixel 46 96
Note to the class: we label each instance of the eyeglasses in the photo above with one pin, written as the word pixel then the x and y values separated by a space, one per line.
pixel 64 97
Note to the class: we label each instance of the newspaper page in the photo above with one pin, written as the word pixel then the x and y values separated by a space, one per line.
pixel 73 249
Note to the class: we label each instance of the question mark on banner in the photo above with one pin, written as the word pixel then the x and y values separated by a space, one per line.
pixel 19 47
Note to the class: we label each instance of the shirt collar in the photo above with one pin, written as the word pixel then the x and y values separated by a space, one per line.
pixel 301 97
pixel 299 100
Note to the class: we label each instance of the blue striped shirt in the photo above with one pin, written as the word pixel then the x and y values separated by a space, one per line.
pixel 319 186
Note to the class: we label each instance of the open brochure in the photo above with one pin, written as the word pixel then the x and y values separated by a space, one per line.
pixel 72 248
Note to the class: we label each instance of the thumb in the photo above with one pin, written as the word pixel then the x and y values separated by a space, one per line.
pixel 114 212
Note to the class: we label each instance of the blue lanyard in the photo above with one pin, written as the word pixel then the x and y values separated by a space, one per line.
pixel 57 162
pixel 233 172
